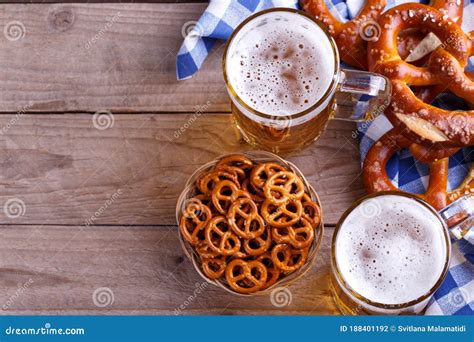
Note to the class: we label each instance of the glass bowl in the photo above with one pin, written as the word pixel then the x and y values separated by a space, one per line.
pixel 190 191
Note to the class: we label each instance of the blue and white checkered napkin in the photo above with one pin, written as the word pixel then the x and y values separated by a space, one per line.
pixel 456 295
pixel 217 22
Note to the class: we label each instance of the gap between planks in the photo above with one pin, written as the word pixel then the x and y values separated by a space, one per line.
pixel 64 169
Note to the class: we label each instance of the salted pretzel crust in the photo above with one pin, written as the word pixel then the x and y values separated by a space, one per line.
pixel 375 176
pixel 425 124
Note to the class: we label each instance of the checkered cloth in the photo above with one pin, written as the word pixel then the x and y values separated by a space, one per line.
pixel 456 295
pixel 217 22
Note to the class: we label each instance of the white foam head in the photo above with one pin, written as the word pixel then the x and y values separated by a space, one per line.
pixel 280 63
pixel 391 249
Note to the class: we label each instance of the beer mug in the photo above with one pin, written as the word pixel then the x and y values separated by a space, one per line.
pixel 283 75
pixel 391 252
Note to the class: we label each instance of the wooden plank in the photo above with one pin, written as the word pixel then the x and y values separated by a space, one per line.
pixel 88 57
pixel 53 270
pixel 67 172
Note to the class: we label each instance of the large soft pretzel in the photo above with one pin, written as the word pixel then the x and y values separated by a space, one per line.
pixel 376 179
pixel 409 40
pixel 352 46
pixel 352 36
pixel 426 124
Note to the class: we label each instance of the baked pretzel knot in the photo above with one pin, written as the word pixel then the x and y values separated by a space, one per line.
pixel 246 277
pixel 351 37
pixel 425 124
pixel 376 179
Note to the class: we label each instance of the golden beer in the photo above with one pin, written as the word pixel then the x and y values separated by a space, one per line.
pixel 283 75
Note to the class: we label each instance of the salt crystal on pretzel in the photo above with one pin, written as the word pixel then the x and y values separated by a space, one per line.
pixel 426 124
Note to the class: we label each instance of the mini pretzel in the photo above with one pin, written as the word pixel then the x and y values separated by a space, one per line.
pixel 255 193
pixel 204 199
pixel 259 244
pixel 287 258
pixel 236 160
pixel 283 186
pixel 220 237
pixel 311 211
pixel 262 172
pixel 236 164
pixel 425 124
pixel 241 254
pixel 205 252
pixel 224 194
pixel 283 215
pixel 252 224
pixel 246 276
pixel 376 179
pixel 208 180
pixel 299 235
pixel 237 172
pixel 193 221
pixel 273 272
pixel 214 268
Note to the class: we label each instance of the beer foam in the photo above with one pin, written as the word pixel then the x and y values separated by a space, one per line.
pixel 391 249
pixel 281 63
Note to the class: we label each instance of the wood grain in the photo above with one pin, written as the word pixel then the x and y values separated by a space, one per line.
pixel 89 57
pixel 65 171
pixel 55 270
pixel 83 208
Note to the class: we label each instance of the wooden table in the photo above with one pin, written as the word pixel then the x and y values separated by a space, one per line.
pixel 97 206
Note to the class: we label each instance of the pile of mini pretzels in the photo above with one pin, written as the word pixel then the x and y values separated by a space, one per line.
pixel 250 224
pixel 381 42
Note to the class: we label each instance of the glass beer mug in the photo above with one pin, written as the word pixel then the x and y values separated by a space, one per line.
pixel 391 252
pixel 283 75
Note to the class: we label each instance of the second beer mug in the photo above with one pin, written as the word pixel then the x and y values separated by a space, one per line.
pixel 283 75
pixel 391 252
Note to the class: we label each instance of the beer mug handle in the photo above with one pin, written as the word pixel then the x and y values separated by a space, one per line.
pixel 361 96
pixel 459 217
